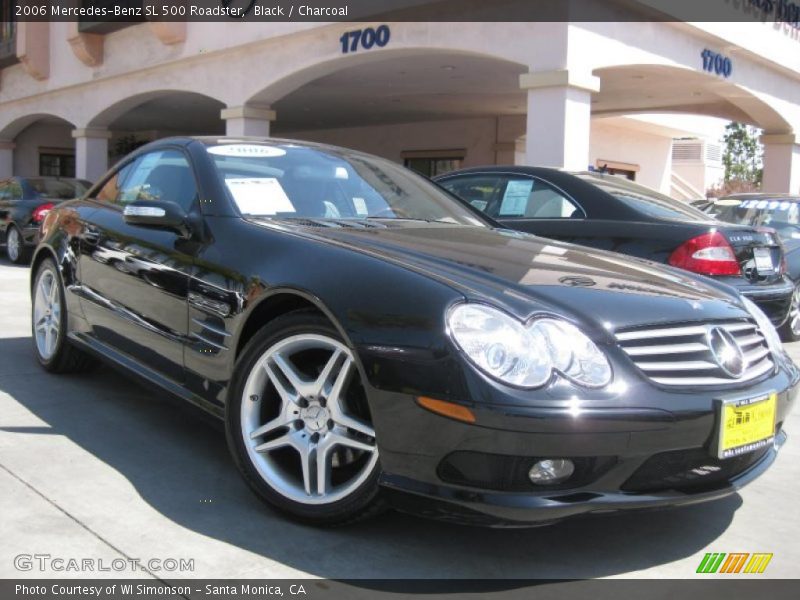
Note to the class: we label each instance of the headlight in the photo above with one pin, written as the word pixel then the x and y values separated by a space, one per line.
pixel 765 325
pixel 526 356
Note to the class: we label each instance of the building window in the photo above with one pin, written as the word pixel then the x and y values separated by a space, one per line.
pixel 620 169
pixel 56 164
pixel 431 163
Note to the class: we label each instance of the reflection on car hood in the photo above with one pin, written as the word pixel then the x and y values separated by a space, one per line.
pixel 512 269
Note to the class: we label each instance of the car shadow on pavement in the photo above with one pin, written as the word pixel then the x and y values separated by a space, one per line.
pixel 7 263
pixel 180 466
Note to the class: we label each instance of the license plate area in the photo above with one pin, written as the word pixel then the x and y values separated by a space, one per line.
pixel 763 258
pixel 746 424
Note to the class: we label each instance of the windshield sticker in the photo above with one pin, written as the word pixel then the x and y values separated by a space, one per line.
pixel 785 205
pixel 361 206
pixel 762 204
pixel 479 204
pixel 515 200
pixel 259 196
pixel 247 151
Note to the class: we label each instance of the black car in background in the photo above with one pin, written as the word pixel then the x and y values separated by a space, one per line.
pixel 780 212
pixel 610 213
pixel 371 341
pixel 24 202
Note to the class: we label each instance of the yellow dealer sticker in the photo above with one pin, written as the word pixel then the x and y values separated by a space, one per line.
pixel 747 425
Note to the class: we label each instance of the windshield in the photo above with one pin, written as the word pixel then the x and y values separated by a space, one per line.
pixel 780 214
pixel 287 181
pixel 58 189
pixel 644 199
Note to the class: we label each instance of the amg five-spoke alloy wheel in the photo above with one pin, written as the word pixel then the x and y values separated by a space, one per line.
pixel 49 324
pixel 299 424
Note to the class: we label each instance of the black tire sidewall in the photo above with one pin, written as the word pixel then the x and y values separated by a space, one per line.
pixel 343 510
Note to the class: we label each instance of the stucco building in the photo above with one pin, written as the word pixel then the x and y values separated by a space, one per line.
pixel 74 96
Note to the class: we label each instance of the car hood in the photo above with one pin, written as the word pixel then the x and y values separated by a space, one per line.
pixel 525 274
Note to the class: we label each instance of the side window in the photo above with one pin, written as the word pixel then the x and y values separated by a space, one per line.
pixel 529 198
pixel 10 190
pixel 164 175
pixel 161 176
pixel 110 190
pixel 16 191
pixel 479 190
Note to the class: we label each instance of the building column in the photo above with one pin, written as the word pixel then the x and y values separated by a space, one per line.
pixel 781 163
pixel 7 158
pixel 559 118
pixel 91 153
pixel 241 121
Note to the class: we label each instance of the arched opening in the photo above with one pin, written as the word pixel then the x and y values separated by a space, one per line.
pixel 138 119
pixel 38 144
pixel 632 89
pixel 662 125
pixel 430 109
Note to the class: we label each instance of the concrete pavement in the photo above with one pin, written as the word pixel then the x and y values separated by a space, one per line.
pixel 93 466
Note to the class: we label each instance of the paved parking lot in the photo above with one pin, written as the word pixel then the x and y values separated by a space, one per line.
pixel 94 466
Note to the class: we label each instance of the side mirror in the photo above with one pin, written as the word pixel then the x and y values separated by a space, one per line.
pixel 161 215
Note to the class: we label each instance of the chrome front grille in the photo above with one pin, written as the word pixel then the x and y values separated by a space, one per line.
pixel 681 355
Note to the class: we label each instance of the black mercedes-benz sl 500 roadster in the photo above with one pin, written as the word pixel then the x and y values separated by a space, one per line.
pixel 370 341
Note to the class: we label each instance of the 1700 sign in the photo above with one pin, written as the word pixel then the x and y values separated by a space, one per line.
pixel 365 39
pixel 717 63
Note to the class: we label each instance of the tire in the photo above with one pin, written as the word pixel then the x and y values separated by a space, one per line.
pixel 49 324
pixel 16 250
pixel 320 419
pixel 790 331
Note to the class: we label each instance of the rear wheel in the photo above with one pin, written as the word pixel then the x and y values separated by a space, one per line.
pixel 299 425
pixel 49 324
pixel 790 331
pixel 16 250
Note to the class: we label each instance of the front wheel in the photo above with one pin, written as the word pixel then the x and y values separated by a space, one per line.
pixel 49 324
pixel 790 331
pixel 298 423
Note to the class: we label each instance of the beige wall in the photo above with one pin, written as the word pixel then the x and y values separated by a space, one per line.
pixel 39 135
pixel 652 153
pixel 476 136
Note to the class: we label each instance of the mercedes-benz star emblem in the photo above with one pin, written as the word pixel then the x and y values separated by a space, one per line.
pixel 726 352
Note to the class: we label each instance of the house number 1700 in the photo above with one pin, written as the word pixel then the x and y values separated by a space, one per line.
pixel 365 39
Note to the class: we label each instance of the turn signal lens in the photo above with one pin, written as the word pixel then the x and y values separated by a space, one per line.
pixel 40 212
pixel 447 409
pixel 707 254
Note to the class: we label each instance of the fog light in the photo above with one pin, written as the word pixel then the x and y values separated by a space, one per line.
pixel 551 471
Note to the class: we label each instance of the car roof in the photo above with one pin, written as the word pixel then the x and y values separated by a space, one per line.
pixel 760 196
pixel 214 140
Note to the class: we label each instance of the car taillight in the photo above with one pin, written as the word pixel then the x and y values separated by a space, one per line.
pixel 40 212
pixel 707 254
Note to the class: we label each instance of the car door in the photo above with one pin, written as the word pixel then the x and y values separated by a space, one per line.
pixel 134 279
pixel 522 202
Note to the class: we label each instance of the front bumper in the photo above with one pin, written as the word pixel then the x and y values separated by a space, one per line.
pixel 624 447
